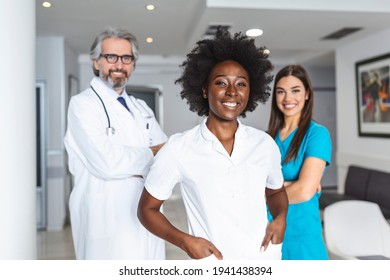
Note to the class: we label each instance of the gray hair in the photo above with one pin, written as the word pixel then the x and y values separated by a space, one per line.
pixel 96 47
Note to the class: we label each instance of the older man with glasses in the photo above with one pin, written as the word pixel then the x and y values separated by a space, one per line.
pixel 111 145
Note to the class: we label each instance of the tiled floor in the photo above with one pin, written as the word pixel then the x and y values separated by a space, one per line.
pixel 58 245
pixel 55 245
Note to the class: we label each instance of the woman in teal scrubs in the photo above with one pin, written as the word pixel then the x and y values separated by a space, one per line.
pixel 305 148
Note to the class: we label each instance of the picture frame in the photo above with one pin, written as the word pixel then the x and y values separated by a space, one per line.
pixel 73 86
pixel 373 96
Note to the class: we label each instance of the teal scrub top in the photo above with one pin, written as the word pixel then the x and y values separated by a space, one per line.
pixel 303 237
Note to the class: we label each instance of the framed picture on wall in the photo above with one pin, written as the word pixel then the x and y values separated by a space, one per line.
pixel 373 99
pixel 73 86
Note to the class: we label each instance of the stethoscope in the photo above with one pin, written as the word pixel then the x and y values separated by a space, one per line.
pixel 143 111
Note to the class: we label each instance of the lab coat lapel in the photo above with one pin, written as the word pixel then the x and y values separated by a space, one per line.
pixel 138 117
pixel 108 99
pixel 136 111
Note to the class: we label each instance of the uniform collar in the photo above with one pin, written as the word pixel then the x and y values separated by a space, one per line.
pixel 209 136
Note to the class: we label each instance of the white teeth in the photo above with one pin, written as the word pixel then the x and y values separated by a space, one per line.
pixel 230 104
pixel 289 106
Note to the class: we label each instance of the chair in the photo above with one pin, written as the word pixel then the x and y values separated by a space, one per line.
pixel 356 229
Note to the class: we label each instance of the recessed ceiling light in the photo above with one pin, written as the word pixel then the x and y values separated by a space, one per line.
pixel 149 40
pixel 266 52
pixel 254 32
pixel 150 7
pixel 46 4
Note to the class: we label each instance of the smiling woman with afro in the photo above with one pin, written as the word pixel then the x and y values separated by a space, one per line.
pixel 229 173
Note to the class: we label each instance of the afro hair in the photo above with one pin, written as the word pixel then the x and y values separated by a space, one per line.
pixel 209 52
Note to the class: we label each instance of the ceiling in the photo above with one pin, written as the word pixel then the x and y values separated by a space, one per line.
pixel 293 30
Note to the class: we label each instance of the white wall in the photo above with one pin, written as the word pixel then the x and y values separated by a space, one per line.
pixel 50 70
pixel 324 112
pixel 71 69
pixel 54 62
pixel 371 152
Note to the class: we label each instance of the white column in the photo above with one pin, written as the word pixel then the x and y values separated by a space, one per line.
pixel 17 130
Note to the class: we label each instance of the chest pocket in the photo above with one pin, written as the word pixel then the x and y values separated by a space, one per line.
pixel 128 131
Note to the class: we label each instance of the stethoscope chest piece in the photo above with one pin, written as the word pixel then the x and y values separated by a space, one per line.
pixel 110 131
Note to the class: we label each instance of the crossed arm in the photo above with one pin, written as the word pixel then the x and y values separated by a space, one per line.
pixel 308 182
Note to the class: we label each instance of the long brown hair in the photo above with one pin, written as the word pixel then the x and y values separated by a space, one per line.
pixel 276 121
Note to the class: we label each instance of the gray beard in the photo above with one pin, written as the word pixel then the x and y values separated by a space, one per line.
pixel 118 84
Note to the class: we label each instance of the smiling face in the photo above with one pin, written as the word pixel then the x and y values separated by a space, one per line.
pixel 291 96
pixel 227 91
pixel 115 74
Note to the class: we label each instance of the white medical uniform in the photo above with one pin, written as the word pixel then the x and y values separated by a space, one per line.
pixel 108 169
pixel 224 195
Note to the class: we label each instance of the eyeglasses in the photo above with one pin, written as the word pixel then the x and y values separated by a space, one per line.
pixel 113 58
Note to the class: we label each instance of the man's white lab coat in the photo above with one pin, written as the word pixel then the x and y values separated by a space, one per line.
pixel 109 173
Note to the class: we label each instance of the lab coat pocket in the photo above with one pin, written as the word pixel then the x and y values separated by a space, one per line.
pixel 100 216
